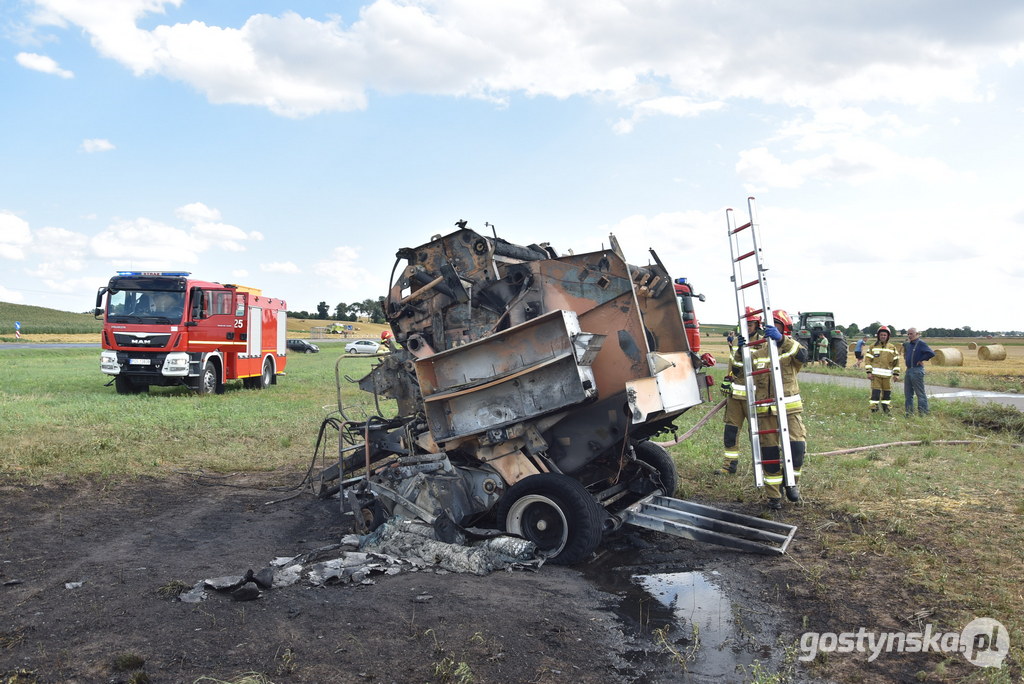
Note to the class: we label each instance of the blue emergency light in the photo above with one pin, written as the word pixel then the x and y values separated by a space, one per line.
pixel 180 274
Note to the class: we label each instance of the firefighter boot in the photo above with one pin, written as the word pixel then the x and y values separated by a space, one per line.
pixel 731 452
pixel 772 478
pixel 798 450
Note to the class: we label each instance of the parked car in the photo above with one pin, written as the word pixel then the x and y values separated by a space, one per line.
pixel 302 346
pixel 362 347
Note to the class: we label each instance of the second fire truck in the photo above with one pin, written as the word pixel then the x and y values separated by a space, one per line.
pixel 163 328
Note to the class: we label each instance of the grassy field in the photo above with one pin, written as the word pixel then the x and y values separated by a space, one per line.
pixel 946 518
pixel 58 419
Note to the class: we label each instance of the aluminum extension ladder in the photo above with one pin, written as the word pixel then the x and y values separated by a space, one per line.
pixel 744 257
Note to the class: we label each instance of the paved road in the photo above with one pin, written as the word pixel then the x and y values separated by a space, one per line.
pixel 935 392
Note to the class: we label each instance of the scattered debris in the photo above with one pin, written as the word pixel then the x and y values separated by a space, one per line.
pixel 395 547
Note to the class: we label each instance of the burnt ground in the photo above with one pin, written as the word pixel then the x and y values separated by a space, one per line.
pixel 128 544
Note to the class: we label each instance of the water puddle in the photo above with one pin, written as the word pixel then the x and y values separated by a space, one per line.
pixel 683 626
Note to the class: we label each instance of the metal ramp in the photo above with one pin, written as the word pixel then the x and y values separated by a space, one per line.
pixel 712 525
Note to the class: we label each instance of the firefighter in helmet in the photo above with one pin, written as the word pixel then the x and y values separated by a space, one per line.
pixel 792 357
pixel 735 389
pixel 882 362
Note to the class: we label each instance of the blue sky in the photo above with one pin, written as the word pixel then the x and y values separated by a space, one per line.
pixel 295 146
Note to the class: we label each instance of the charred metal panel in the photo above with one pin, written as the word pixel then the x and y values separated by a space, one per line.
pixel 507 378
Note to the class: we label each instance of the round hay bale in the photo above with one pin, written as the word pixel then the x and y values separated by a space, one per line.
pixel 972 345
pixel 992 352
pixel 948 356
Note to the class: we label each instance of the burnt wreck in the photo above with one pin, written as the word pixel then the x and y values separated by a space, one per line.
pixel 528 387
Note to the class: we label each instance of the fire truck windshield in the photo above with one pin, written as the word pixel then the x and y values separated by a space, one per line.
pixel 145 306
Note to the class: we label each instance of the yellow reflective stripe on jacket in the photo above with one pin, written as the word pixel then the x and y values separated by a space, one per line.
pixel 739 391
pixel 793 351
pixel 880 372
pixel 793 403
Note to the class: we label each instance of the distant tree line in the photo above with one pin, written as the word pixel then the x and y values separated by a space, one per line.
pixel 854 330
pixel 368 308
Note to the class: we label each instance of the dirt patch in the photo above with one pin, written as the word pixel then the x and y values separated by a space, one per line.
pixel 124 544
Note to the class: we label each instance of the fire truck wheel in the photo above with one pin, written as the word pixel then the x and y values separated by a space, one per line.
pixel 655 455
pixel 208 380
pixel 556 513
pixel 266 377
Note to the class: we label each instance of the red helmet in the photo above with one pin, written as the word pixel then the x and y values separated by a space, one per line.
pixel 385 335
pixel 752 314
pixel 782 321
pixel 884 328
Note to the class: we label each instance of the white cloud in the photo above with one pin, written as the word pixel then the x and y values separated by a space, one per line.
pixel 678 106
pixel 217 232
pixel 97 145
pixel 676 59
pixel 144 242
pixel 197 212
pixel 56 269
pixel 280 267
pixel 341 269
pixel 7 295
pixel 75 285
pixel 851 159
pixel 42 63
pixel 14 235
pixel 52 241
pixel 208 231
pixel 64 252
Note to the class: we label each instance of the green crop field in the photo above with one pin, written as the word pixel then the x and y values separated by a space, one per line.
pixel 945 520
pixel 37 320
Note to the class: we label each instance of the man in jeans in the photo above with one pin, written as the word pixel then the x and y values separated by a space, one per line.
pixel 915 352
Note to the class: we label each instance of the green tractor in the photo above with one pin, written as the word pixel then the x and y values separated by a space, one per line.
pixel 816 330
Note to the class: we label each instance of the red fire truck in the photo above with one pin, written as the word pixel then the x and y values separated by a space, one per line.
pixel 163 328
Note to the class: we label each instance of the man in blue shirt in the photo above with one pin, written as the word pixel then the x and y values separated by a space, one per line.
pixel 915 352
pixel 858 351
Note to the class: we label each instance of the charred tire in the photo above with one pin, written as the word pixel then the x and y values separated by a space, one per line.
pixel 655 455
pixel 374 515
pixel 208 381
pixel 556 513
pixel 125 385
pixel 839 351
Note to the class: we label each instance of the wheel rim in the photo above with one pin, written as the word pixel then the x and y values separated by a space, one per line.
pixel 539 520
pixel 268 374
pixel 209 381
